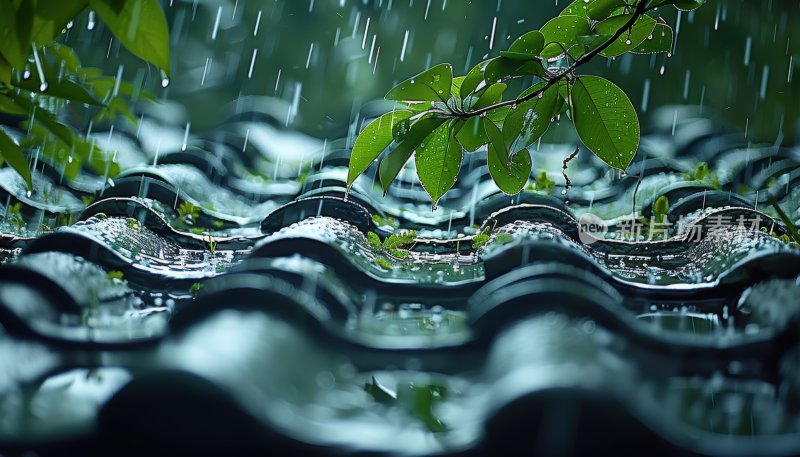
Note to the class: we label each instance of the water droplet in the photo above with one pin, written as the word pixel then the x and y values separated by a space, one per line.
pixel 628 42
pixel 165 82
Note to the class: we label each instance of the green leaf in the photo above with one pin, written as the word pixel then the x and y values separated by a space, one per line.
pixel 529 44
pixel 372 141
pixel 16 21
pixel 576 8
pixel 438 161
pixel 501 68
pixel 455 87
pixel 686 5
pixel 140 26
pixel 493 94
pixel 52 16
pixel 529 121
pixel 57 86
pixel 605 120
pixel 563 30
pixel 9 107
pixel 661 207
pixel 510 173
pixel 472 134
pixel 12 153
pixel 433 84
pixel 641 29
pixel 601 9
pixel 391 164
pixel 5 71
pixel 473 79
pixel 659 41
pixel 588 43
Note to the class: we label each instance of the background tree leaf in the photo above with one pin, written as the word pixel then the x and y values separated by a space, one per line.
pixel 140 26
pixel 372 141
pixel 639 32
pixel 391 164
pixel 438 161
pixel 433 84
pixel 12 153
pixel 509 172
pixel 605 120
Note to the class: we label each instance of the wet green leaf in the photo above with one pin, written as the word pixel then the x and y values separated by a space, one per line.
pixel 11 152
pixel 433 84
pixel 529 121
pixel 472 134
pixel 16 22
pixel 52 16
pixel 601 9
pixel 527 46
pixel 473 79
pixel 391 164
pixel 501 68
pixel 493 94
pixel 438 161
pixel 660 207
pixel 372 141
pixel 62 87
pixel 686 5
pixel 565 31
pixel 5 71
pixel 141 27
pixel 510 173
pixel 639 32
pixel 605 120
pixel 659 41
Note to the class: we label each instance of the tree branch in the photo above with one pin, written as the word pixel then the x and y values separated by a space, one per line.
pixel 641 9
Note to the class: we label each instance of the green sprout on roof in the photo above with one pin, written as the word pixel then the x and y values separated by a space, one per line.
pixel 115 276
pixel 704 175
pixel 382 262
pixel 395 245
pixel 381 221
pixel 195 288
pixel 481 239
pixel 133 223
pixel 542 184
pixel 188 211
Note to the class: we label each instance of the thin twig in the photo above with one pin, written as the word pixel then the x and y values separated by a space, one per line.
pixel 564 167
